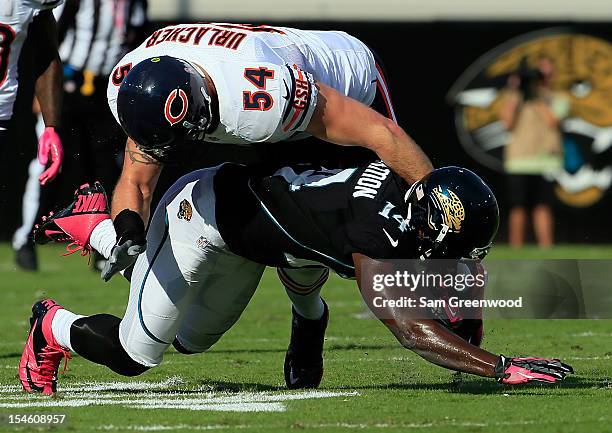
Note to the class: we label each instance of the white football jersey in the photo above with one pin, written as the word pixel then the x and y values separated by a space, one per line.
pixel 15 18
pixel 264 76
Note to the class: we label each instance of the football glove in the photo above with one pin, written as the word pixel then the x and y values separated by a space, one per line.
pixel 514 371
pixel 50 145
pixel 131 242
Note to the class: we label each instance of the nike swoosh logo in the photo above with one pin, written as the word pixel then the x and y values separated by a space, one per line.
pixel 287 89
pixel 393 241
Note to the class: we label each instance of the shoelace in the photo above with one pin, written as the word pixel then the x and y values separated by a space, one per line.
pixel 74 246
pixel 49 361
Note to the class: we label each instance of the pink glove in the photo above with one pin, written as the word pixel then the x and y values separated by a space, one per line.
pixel 50 144
pixel 514 371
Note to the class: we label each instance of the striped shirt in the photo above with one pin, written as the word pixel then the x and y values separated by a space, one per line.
pixel 95 34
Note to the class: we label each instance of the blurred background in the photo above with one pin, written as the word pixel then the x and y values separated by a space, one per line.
pixel 518 91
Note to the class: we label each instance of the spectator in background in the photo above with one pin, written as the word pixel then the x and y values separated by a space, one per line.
pixel 94 35
pixel 531 111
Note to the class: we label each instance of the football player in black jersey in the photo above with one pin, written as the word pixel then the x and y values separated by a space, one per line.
pixel 217 229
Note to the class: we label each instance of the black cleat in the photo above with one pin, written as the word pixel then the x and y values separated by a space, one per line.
pixel 25 257
pixel 304 358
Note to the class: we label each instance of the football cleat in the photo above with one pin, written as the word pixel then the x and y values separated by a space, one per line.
pixel 75 222
pixel 26 258
pixel 42 355
pixel 304 358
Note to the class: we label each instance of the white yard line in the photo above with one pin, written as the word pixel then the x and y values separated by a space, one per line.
pixel 160 427
pixel 166 394
pixel 591 334
pixel 587 358
pixel 324 426
pixel 173 381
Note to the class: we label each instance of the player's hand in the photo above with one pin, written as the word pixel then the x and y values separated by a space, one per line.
pixel 514 371
pixel 122 256
pixel 131 242
pixel 50 146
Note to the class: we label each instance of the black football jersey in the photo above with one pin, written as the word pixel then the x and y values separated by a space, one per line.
pixel 304 216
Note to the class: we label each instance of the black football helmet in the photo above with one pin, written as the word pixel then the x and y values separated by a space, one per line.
pixel 163 102
pixel 453 214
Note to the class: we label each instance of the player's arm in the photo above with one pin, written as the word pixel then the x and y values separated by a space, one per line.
pixel 345 121
pixel 136 184
pixel 48 91
pixel 131 207
pixel 438 345
pixel 434 342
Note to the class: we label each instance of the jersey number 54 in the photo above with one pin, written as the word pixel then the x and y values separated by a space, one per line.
pixel 259 100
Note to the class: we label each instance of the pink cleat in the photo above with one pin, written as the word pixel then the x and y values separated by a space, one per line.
pixel 42 355
pixel 76 221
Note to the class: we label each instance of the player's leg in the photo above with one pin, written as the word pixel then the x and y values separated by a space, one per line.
pixel 224 295
pixel 25 252
pixel 361 70
pixel 303 286
pixel 162 287
pixel 303 366
pixel 382 101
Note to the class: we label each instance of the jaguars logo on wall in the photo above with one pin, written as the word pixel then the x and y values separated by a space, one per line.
pixel 582 71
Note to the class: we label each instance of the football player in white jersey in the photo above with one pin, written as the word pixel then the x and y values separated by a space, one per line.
pixel 242 84
pixel 33 19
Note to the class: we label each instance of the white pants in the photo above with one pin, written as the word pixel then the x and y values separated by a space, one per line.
pixel 187 285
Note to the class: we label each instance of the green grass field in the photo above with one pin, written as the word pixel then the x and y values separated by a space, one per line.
pixel 370 382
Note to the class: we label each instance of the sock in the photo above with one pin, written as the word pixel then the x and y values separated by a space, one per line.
pixel 103 238
pixel 60 326
pixel 303 286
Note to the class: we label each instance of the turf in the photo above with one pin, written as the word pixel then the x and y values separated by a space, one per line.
pixel 378 385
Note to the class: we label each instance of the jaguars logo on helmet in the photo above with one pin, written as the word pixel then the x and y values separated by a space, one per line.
pixel 453 214
pixel 451 207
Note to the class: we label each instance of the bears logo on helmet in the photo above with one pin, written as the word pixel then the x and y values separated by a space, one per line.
pixel 164 105
pixel 172 119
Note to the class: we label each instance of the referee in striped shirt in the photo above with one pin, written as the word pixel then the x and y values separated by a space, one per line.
pixel 94 35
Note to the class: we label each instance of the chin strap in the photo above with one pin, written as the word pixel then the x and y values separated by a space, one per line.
pixel 480 253
pixel 441 235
